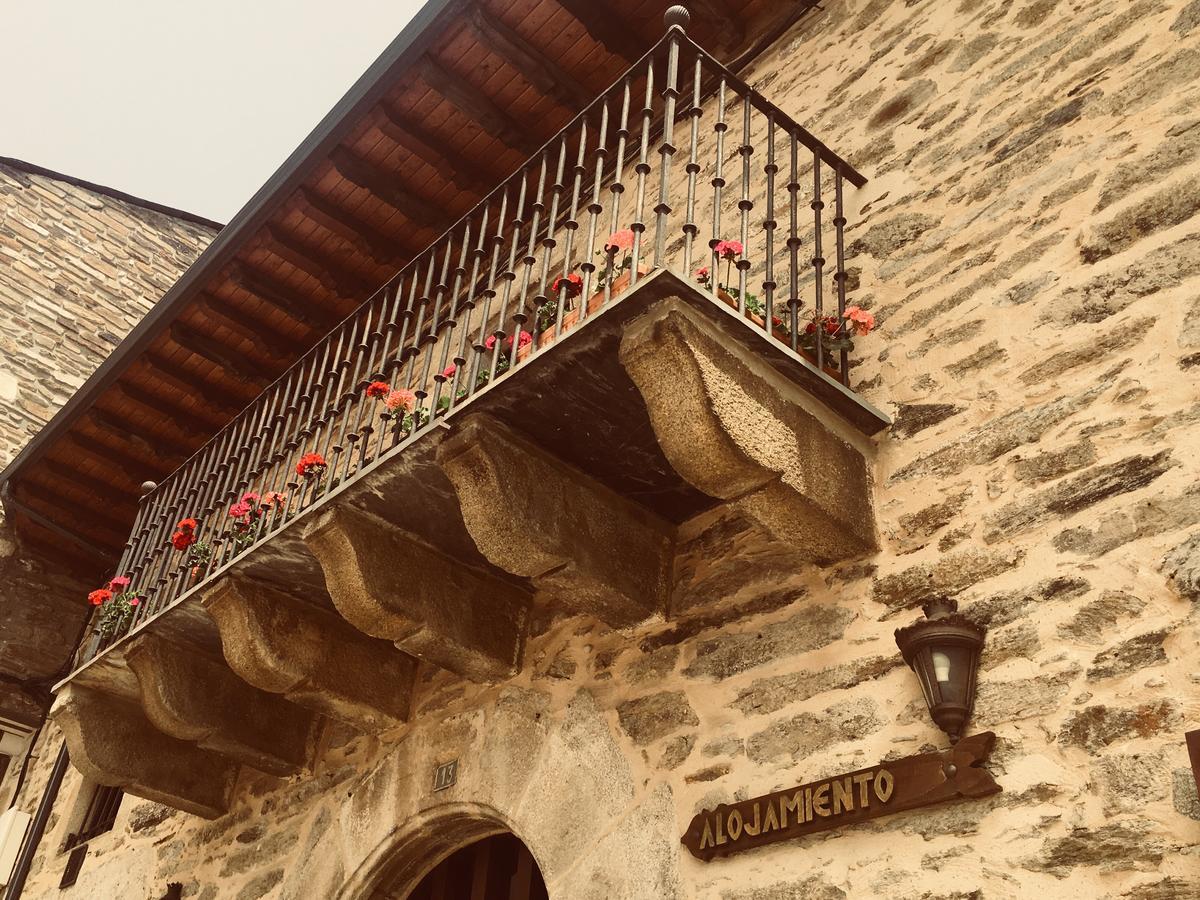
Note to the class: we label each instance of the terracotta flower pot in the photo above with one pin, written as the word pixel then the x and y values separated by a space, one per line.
pixel 781 334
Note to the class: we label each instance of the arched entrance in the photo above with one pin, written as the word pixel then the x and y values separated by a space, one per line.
pixel 496 868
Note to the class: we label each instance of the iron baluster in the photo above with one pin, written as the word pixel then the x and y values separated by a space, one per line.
pixel 818 261
pixel 642 169
pixel 745 205
pixel 771 169
pixel 839 224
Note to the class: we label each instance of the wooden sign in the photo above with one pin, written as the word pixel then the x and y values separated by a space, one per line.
pixel 906 783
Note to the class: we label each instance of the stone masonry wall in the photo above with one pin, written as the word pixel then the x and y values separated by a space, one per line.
pixel 78 269
pixel 1029 242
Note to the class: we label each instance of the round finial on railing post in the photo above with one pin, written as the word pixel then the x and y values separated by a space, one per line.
pixel 677 17
pixel 148 487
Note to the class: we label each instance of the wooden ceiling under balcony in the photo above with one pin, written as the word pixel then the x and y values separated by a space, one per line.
pixel 459 101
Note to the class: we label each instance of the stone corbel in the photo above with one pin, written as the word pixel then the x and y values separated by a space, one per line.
pixel 390 585
pixel 196 699
pixel 112 743
pixel 536 517
pixel 310 656
pixel 737 430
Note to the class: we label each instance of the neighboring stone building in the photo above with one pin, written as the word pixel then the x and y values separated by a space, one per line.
pixel 658 567
pixel 80 265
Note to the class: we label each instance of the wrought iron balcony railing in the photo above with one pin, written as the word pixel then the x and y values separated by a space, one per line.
pixel 678 165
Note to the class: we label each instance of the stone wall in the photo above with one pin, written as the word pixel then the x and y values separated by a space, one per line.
pixel 79 267
pixel 1028 241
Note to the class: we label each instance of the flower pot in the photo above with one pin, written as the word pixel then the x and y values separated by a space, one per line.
pixel 619 285
pixel 569 319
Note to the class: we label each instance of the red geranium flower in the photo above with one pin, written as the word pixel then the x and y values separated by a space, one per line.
pixel 526 340
pixel 97 598
pixel 181 540
pixel 188 525
pixel 449 371
pixel 378 389
pixel 311 464
pixel 572 284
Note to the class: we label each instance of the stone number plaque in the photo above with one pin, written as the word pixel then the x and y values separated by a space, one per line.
pixel 902 784
pixel 445 775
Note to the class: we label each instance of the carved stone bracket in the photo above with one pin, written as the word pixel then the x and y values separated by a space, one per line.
pixel 534 516
pixel 388 584
pixel 737 430
pixel 196 699
pixel 112 743
pixel 310 656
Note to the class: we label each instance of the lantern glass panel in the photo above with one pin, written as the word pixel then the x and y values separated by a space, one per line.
pixel 952 666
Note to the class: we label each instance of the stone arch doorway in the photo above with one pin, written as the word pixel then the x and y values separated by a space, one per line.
pixel 556 778
pixel 499 867
pixel 455 852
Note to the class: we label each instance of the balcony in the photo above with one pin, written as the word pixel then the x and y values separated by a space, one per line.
pixel 641 324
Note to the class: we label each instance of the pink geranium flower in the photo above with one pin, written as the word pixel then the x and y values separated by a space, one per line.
pixel 619 240
pixel 702 275
pixel 119 582
pixel 863 320
pixel 449 371
pixel 729 249
pixel 402 399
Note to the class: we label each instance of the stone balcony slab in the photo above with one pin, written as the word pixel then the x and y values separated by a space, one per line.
pixel 390 584
pixel 310 656
pixel 112 743
pixel 194 698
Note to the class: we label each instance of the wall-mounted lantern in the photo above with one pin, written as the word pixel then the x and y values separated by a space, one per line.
pixel 943 649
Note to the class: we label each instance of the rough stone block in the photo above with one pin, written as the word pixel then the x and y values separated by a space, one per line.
pixel 390 585
pixel 736 430
pixel 197 699
pixel 112 743
pixel 312 657
pixel 534 516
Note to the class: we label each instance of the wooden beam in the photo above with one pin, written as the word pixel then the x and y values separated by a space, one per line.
pixel 63 472
pixel 281 295
pixel 385 186
pixel 606 28
pixel 437 152
pixel 480 108
pixel 548 77
pixel 164 409
pixel 98 512
pixel 219 354
pixel 368 239
pixel 221 404
pixel 87 543
pixel 333 278
pixel 154 447
pixel 136 468
pixel 229 315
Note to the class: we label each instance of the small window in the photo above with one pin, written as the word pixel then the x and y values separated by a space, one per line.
pixel 98 817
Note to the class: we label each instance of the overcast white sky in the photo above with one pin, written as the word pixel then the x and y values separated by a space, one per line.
pixel 191 104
